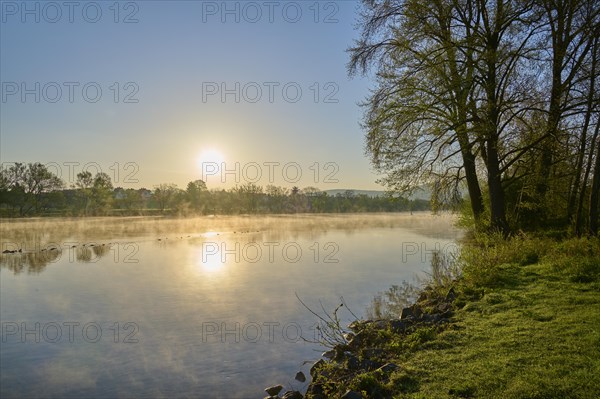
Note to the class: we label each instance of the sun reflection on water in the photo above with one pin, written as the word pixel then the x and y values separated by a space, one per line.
pixel 208 258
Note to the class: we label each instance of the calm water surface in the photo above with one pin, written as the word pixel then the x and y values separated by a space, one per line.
pixel 202 307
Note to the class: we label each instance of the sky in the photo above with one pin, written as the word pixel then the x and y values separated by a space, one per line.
pixel 154 92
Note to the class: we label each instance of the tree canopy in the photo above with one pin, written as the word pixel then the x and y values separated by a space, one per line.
pixel 498 99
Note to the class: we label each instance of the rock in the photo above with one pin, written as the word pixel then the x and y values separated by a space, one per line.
pixel 388 368
pixel 300 376
pixel 352 363
pixel 292 395
pixel 274 390
pixel 398 326
pixel 356 340
pixel 368 364
pixel 340 352
pixel 314 390
pixel 431 318
pixel 413 311
pixel 352 395
pixel 329 354
pixel 358 325
pixel 437 317
pixel 451 295
pixel 373 353
pixel 348 337
pixel 380 324
pixel 315 367
pixel 443 307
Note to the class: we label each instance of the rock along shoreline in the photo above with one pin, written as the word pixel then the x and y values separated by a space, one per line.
pixel 363 350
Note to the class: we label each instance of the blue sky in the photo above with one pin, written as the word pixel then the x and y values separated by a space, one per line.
pixel 161 78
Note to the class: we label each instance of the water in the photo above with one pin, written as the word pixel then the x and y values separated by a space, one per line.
pixel 202 307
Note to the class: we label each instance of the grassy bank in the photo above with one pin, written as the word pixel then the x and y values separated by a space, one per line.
pixel 525 324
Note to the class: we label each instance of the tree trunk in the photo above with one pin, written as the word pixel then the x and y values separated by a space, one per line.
pixel 559 47
pixel 471 175
pixel 497 206
pixel 588 115
pixel 496 192
pixel 595 192
pixel 460 84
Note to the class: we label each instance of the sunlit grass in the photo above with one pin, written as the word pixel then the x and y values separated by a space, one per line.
pixel 535 335
pixel 526 324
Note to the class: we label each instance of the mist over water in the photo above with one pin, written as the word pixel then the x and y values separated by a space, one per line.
pixel 191 307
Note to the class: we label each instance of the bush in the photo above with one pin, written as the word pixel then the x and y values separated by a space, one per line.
pixel 488 259
pixel 578 258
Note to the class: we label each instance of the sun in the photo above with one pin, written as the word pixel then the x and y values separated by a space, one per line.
pixel 210 156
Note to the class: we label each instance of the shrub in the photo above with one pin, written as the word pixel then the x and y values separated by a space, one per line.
pixel 486 260
pixel 578 258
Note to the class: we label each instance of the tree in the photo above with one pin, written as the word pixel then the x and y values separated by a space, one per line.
pixel 164 194
pixel 276 198
pixel 501 36
pixel 94 194
pixel 460 95
pixel 417 121
pixel 595 193
pixel 248 196
pixel 196 192
pixel 102 193
pixel 579 188
pixel 571 25
pixel 28 188
pixel 84 184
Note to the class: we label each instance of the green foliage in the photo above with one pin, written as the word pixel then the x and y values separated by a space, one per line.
pixel 29 189
pixel 524 322
pixel 369 385
pixel 578 258
pixel 390 303
pixel 489 259
pixel 454 97
pixel 420 336
pixel 462 391
pixel 526 337
pixel 404 381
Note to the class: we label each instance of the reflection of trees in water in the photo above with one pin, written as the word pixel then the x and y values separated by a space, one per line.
pixel 36 262
pixel 86 254
pixel 83 254
pixel 389 304
pixel 33 263
pixel 101 250
pixel 34 235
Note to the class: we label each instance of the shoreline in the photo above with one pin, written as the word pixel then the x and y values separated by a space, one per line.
pixel 519 322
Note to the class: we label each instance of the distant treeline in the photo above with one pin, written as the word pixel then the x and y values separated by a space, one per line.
pixel 31 189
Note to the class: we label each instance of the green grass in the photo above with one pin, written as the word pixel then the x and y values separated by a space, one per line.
pixel 534 333
pixel 528 326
